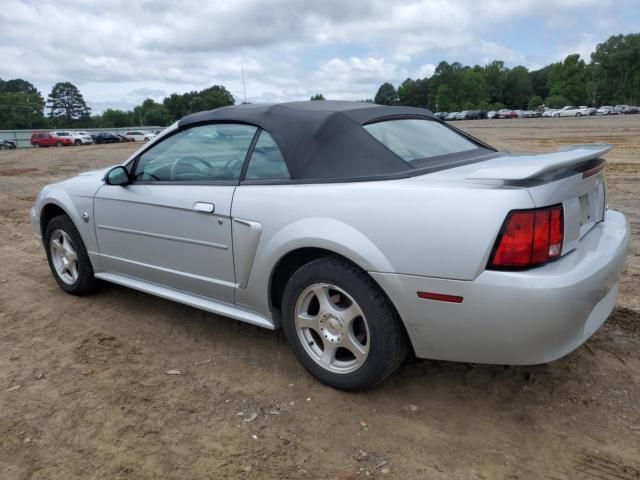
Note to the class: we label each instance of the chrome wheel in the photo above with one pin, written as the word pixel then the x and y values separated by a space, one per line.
pixel 332 328
pixel 64 257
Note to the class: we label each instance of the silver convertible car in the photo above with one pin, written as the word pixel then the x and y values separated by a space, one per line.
pixel 364 232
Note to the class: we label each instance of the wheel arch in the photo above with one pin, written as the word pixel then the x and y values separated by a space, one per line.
pixel 49 211
pixel 295 259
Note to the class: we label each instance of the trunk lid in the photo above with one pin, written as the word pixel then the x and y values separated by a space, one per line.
pixel 572 176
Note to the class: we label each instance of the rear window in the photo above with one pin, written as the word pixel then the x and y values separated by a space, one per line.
pixel 414 139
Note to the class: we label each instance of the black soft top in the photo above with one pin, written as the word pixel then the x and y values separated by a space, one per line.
pixel 321 139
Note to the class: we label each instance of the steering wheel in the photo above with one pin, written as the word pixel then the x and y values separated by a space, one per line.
pixel 190 159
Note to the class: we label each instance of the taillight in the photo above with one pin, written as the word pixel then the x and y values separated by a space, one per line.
pixel 528 238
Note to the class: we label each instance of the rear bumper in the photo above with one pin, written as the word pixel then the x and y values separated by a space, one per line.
pixel 517 318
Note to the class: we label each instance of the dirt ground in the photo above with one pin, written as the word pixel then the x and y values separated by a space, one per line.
pixel 84 391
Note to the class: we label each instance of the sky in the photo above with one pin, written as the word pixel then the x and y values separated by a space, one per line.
pixel 119 52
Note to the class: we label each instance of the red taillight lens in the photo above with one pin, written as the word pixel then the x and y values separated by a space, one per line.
pixel 529 238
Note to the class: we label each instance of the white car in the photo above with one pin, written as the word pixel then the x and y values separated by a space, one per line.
pixel 139 136
pixel 82 138
pixel 570 111
pixel 549 112
pixel 605 110
pixel 77 138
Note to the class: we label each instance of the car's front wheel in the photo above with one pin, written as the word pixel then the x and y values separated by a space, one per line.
pixel 341 326
pixel 68 258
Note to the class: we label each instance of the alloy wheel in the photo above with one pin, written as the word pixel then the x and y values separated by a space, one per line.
pixel 64 257
pixel 332 328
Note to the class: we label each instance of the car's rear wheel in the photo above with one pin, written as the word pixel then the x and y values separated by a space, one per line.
pixel 341 326
pixel 578 114
pixel 78 142
pixel 68 258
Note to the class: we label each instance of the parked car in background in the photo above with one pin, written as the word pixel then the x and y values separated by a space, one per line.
pixel 549 112
pixel 451 116
pixel 506 113
pixel 139 136
pixel 530 114
pixel 631 110
pixel 491 114
pixel 619 108
pixel 50 139
pixel 7 145
pixel 441 115
pixel 243 212
pixel 571 111
pixel 72 136
pixel 605 110
pixel 590 110
pixel 82 138
pixel 121 137
pixel 105 137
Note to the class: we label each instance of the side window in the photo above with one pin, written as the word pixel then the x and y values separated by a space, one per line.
pixel 206 153
pixel 266 161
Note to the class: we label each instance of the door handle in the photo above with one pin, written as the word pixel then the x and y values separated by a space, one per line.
pixel 203 207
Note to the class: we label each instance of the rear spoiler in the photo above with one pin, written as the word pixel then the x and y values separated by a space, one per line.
pixel 524 167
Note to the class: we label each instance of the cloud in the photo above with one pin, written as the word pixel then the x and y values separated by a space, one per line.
pixel 121 52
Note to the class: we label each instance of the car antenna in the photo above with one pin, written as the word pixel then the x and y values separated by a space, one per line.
pixel 244 85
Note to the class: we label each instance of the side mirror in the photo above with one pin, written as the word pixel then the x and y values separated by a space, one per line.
pixel 117 176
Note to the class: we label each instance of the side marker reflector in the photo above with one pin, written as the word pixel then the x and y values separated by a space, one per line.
pixel 441 297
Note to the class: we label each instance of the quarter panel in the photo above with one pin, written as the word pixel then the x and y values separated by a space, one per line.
pixel 411 226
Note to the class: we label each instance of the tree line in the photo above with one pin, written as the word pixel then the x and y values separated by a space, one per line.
pixel 23 107
pixel 611 77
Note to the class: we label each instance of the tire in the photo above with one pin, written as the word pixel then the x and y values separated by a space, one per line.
pixel 578 114
pixel 146 139
pixel 63 233
pixel 375 329
pixel 77 143
pixel 59 144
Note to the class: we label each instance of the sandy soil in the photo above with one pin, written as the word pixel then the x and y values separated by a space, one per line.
pixel 84 391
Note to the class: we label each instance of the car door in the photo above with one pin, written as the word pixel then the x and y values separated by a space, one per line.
pixel 172 224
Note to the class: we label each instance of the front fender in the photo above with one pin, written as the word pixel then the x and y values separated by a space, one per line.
pixel 79 208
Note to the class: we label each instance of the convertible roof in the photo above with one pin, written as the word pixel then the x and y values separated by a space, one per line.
pixel 321 139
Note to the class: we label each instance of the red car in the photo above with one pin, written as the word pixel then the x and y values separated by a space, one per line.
pixel 47 139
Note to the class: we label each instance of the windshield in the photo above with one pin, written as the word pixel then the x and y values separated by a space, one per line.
pixel 415 139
